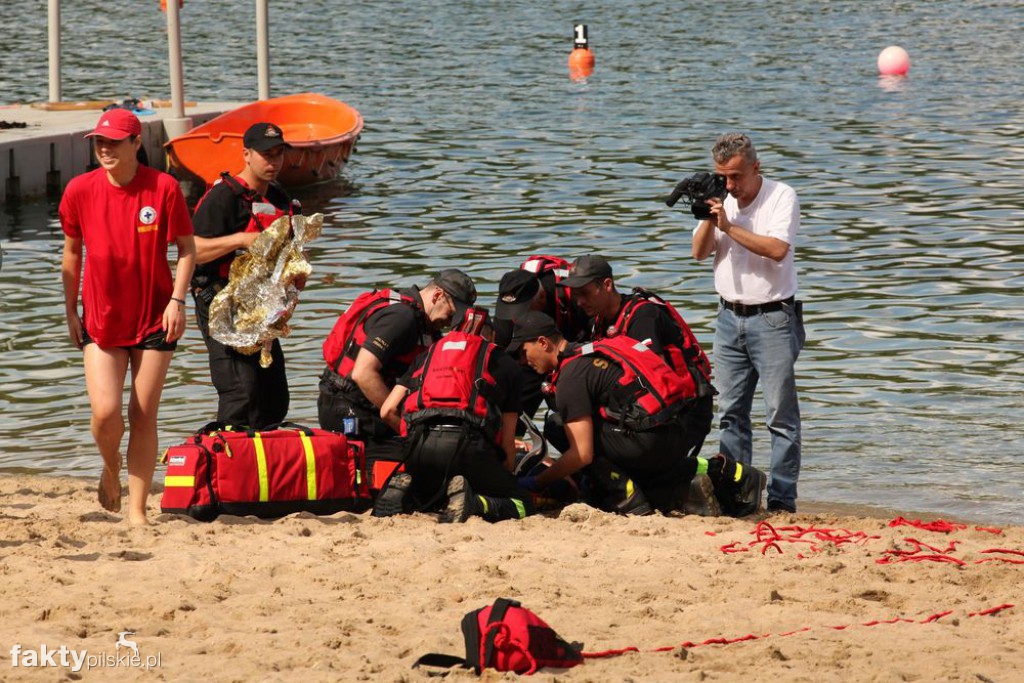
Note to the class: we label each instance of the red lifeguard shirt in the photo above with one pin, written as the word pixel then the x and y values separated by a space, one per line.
pixel 125 230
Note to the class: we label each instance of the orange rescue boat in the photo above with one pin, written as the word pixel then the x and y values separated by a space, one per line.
pixel 322 132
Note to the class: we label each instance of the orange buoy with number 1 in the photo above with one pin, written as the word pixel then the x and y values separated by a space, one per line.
pixel 581 59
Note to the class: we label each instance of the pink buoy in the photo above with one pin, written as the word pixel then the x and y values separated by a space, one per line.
pixel 893 61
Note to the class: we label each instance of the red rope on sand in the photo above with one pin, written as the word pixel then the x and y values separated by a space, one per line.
pixel 609 653
pixel 921 558
pixel 990 610
pixel 939 525
pixel 1004 550
pixel 989 529
pixel 721 640
pixel 948 549
pixel 999 559
pixel 936 617
pixel 799 630
pixel 770 537
pixel 894 620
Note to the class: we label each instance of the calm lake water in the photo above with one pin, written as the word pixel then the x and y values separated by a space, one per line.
pixel 478 150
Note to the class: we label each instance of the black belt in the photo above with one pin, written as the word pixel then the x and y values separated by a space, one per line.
pixel 207 292
pixel 746 310
pixel 343 384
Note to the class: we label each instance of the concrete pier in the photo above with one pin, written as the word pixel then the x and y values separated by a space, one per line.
pixel 40 159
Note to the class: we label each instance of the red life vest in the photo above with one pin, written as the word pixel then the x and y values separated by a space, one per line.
pixel 346 338
pixel 454 382
pixel 541 264
pixel 649 393
pixel 686 359
pixel 261 212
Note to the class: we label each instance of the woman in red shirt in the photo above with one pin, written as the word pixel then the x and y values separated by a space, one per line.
pixel 133 313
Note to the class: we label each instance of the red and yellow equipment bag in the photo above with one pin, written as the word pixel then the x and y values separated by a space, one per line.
pixel 268 473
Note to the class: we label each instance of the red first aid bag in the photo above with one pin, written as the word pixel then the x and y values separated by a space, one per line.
pixel 508 637
pixel 268 473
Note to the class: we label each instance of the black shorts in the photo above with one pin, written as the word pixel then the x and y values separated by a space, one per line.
pixel 157 341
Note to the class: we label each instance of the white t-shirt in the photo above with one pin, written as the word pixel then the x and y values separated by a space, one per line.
pixel 742 276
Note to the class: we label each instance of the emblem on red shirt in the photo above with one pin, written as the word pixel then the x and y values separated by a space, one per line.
pixel 147 216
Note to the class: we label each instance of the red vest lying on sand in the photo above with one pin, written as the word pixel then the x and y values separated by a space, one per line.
pixel 268 473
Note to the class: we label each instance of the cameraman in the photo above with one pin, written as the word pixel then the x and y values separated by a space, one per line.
pixel 760 331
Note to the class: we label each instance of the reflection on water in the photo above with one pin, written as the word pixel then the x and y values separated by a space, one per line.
pixel 479 149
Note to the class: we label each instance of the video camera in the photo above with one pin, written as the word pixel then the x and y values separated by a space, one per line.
pixel 695 192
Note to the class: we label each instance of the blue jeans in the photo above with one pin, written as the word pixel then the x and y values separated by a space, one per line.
pixel 761 347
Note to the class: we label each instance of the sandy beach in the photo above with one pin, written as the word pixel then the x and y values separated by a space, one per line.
pixel 817 596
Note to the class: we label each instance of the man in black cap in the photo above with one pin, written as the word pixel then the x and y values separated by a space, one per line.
pixel 518 292
pixel 622 407
pixel 536 286
pixel 373 344
pixel 646 317
pixel 226 222
pixel 551 296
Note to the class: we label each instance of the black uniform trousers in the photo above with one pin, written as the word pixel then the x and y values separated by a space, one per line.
pixel 248 394
pixel 438 453
pixel 656 461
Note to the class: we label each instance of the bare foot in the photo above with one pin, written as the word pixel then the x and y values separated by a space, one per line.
pixel 109 490
pixel 137 519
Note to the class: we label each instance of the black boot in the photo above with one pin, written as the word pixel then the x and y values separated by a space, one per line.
pixel 746 496
pixel 615 491
pixel 739 487
pixel 463 504
pixel 391 500
pixel 635 502
pixel 699 498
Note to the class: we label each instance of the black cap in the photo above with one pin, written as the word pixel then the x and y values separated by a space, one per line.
pixel 515 294
pixel 586 269
pixel 459 287
pixel 528 327
pixel 263 136
pixel 502 332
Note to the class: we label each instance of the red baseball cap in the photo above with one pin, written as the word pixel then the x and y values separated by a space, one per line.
pixel 117 124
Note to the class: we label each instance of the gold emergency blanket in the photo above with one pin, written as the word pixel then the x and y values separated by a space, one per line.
pixel 261 294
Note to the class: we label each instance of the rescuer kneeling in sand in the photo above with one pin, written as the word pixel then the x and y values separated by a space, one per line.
pixel 623 406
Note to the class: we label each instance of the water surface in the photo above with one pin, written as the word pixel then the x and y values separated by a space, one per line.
pixel 478 150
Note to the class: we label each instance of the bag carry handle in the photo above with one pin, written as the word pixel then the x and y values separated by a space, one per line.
pixel 498 611
pixel 218 426
pixel 440 661
pixel 283 425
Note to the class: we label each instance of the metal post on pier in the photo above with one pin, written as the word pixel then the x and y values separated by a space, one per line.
pixel 263 48
pixel 177 123
pixel 53 37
